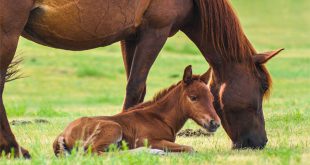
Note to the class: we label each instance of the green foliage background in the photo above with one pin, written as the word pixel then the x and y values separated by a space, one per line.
pixel 62 86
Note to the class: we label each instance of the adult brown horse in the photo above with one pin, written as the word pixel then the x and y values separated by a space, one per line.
pixel 143 26
pixel 156 121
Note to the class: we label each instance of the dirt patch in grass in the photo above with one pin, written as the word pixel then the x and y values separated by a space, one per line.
pixel 194 133
pixel 41 121
pixel 25 122
pixel 20 122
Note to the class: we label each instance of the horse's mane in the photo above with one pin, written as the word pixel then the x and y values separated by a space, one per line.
pixel 222 29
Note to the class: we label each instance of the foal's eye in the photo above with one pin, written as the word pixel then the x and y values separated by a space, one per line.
pixel 193 98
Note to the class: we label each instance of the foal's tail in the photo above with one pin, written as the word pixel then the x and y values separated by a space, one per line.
pixel 221 28
pixel 60 147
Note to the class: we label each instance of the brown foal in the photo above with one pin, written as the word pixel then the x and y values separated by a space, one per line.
pixel 156 121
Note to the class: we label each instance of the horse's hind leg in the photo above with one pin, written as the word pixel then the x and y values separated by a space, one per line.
pixel 14 15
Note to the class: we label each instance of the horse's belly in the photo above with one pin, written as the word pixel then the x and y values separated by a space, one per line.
pixel 81 24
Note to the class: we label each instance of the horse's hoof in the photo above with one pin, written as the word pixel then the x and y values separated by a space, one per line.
pixel 20 152
pixel 25 153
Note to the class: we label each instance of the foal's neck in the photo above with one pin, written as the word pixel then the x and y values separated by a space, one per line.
pixel 169 110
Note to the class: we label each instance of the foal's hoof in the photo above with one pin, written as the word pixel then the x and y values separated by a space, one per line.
pixel 190 150
pixel 157 152
pixel 148 150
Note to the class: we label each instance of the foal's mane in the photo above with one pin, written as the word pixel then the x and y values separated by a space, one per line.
pixel 164 92
pixel 222 29
pixel 159 95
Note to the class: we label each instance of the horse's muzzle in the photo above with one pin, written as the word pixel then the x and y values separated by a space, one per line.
pixel 251 143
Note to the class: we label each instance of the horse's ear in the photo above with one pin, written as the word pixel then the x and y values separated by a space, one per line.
pixel 188 75
pixel 206 76
pixel 262 58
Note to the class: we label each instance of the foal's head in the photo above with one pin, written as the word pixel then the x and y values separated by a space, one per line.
pixel 197 101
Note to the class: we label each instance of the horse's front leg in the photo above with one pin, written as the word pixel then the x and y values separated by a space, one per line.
pixel 150 42
pixel 128 52
pixel 14 16
pixel 170 146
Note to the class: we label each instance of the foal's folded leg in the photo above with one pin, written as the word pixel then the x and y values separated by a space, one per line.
pixel 107 133
pixel 170 146
pixel 88 133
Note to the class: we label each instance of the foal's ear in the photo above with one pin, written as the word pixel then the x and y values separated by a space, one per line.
pixel 262 58
pixel 206 76
pixel 188 75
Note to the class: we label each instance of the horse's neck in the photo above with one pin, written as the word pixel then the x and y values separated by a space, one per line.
pixel 170 111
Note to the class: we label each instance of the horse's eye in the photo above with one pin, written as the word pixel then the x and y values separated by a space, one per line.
pixel 265 87
pixel 193 98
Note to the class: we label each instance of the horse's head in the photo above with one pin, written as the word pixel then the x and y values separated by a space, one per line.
pixel 197 101
pixel 238 95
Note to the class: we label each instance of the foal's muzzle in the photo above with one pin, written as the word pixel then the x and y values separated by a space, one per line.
pixel 212 126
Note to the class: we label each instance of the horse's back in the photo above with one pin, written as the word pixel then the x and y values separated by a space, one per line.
pixel 83 24
pixel 87 24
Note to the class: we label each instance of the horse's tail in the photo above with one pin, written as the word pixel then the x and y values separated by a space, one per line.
pixel 60 147
pixel 13 71
pixel 221 28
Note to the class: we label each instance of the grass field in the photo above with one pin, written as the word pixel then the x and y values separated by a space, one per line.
pixel 62 86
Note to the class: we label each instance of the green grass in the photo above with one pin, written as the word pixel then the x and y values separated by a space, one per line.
pixel 62 86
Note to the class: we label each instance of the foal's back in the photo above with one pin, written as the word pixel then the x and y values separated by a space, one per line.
pixel 88 132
